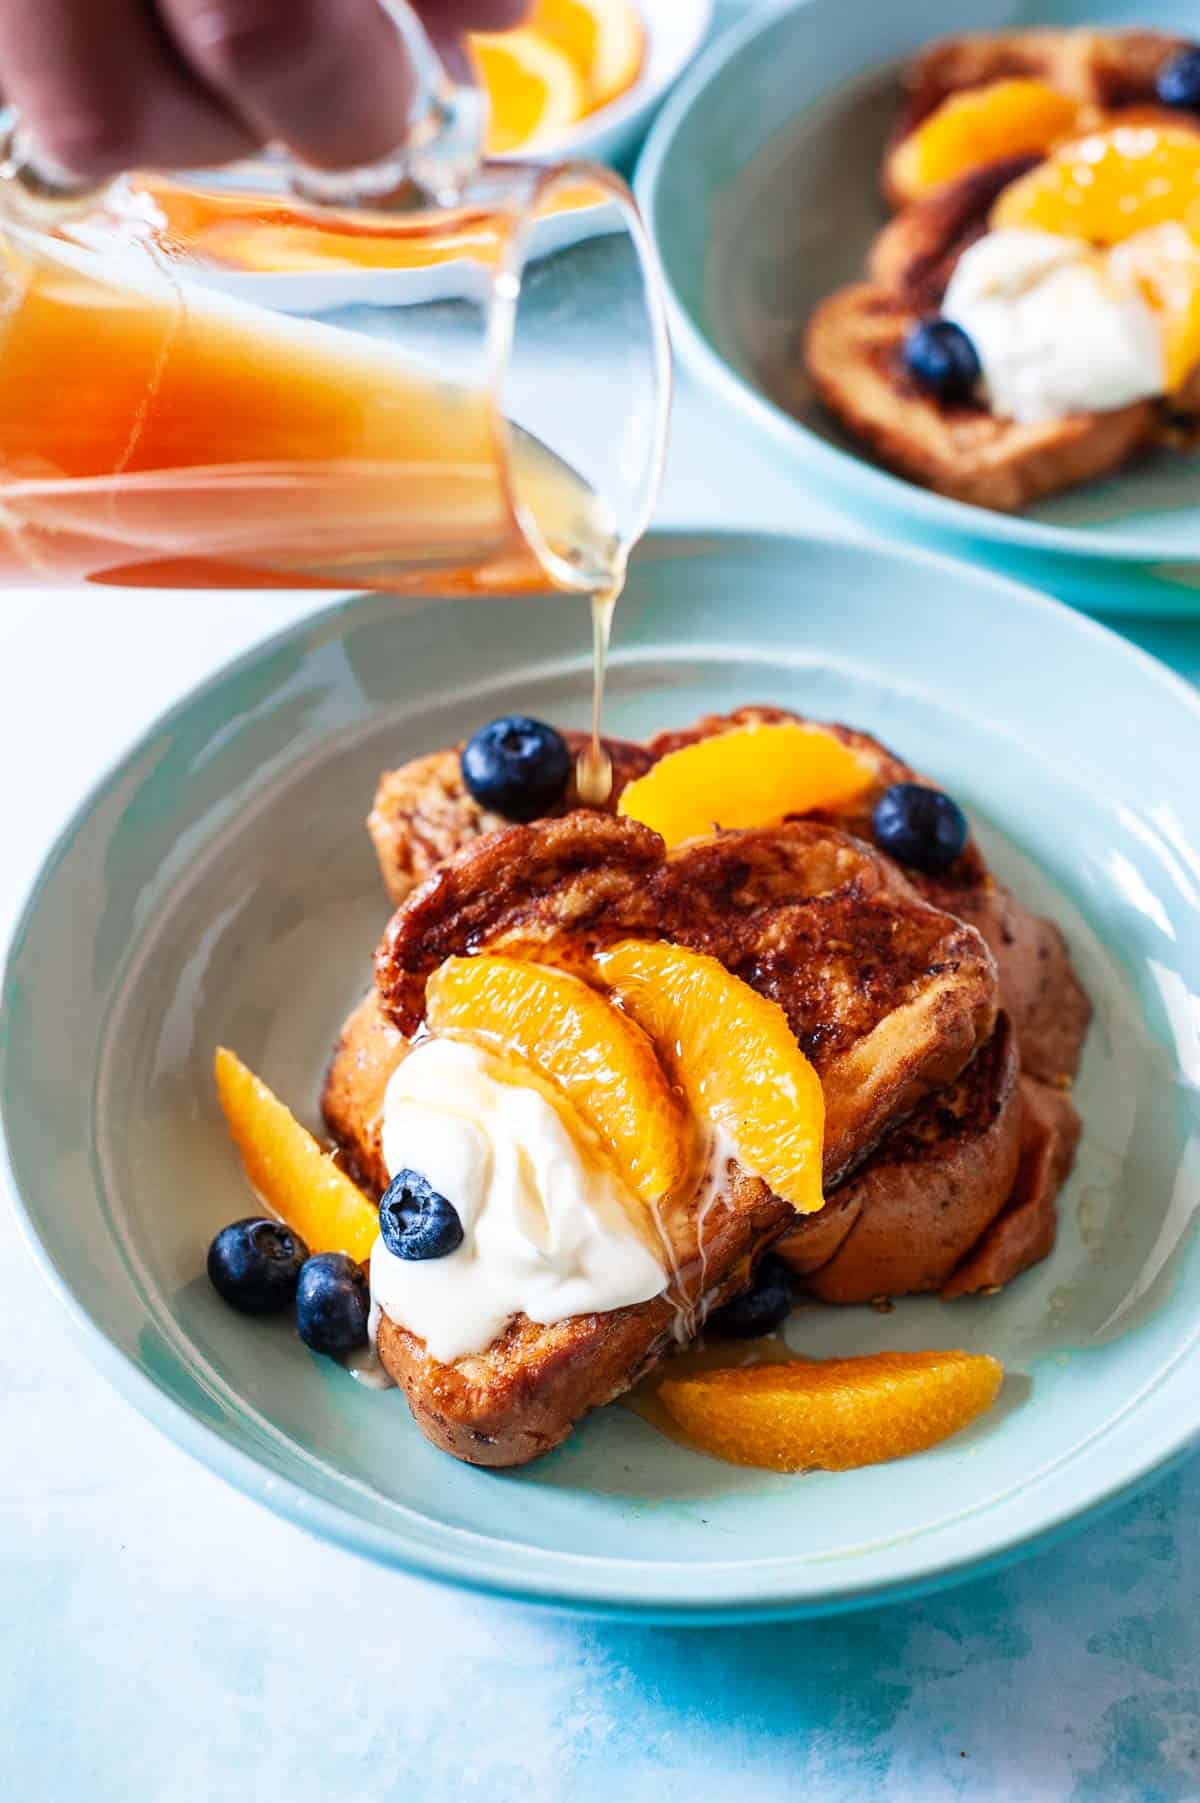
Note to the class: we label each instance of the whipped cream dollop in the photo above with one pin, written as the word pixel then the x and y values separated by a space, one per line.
pixel 549 1229
pixel 1058 327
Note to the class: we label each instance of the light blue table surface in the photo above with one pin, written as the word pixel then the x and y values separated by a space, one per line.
pixel 164 1639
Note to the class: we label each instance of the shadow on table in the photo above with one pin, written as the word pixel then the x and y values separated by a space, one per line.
pixel 1074 1675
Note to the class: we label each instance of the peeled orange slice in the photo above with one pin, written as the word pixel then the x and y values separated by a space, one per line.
pixel 981 125
pixel 536 91
pixel 833 1414
pixel 1109 185
pixel 750 776
pixel 288 1168
pixel 734 1056
pixel 574 1038
pixel 605 39
pixel 1164 263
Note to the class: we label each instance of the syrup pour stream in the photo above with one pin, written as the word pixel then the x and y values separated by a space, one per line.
pixel 594 771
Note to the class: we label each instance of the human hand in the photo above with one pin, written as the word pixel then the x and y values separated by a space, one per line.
pixel 107 85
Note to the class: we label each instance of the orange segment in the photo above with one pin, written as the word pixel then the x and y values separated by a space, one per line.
pixel 1164 263
pixel 735 1057
pixel 751 776
pixel 833 1414
pixel 536 92
pixel 605 39
pixel 577 1041
pixel 288 1168
pixel 1109 185
pixel 1013 118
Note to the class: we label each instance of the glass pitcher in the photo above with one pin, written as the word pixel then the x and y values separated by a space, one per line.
pixel 436 375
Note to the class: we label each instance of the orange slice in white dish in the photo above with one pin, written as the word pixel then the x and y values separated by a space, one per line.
pixel 605 39
pixel 536 91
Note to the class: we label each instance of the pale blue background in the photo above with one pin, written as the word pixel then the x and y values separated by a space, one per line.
pixel 164 1639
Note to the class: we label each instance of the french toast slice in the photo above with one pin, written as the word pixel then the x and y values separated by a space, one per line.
pixel 523 1396
pixel 886 995
pixel 1100 70
pixel 889 997
pixel 915 1216
pixel 954 1156
pixel 906 1219
pixel 423 811
pixel 1024 1230
pixel 1038 986
pixel 853 339
pixel 852 349
pixel 368 1050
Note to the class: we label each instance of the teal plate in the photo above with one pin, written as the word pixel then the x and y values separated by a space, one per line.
pixel 218 886
pixel 760 185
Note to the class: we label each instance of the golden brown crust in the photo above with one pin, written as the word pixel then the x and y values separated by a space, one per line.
pixel 423 812
pixel 926 1197
pixel 914 255
pixel 852 347
pixel 1039 986
pixel 367 1052
pixel 1025 1230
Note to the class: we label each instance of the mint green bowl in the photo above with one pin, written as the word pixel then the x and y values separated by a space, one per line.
pixel 759 182
pixel 217 885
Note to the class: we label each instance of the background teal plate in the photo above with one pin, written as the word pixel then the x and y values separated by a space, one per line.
pixel 760 185
pixel 218 885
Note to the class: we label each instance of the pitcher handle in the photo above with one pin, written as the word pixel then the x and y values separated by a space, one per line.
pixel 441 153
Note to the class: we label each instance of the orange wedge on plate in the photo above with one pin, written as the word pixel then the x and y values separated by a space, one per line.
pixel 833 1414
pixel 288 1168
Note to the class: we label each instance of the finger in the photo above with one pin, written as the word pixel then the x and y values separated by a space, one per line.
pixel 328 78
pixel 448 22
pixel 453 17
pixel 102 90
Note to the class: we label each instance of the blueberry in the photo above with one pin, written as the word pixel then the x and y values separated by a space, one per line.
pixel 415 1221
pixel 517 766
pixel 760 1309
pixel 941 358
pixel 253 1265
pixel 333 1303
pixel 919 827
pixel 1178 81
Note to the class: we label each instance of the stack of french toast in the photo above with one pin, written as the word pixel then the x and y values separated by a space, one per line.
pixel 944 1022
pixel 1087 136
